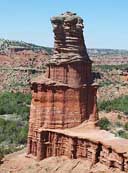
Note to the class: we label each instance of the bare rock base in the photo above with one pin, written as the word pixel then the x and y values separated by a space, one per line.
pixel 18 163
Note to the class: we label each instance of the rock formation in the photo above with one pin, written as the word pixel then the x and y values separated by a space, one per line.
pixel 67 82
pixel 63 106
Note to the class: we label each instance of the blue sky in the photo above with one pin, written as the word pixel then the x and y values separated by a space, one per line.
pixel 106 21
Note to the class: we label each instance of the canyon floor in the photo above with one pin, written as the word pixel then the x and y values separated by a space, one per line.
pixel 18 163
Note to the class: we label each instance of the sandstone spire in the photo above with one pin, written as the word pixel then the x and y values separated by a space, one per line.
pixel 69 41
pixel 67 81
pixel 65 96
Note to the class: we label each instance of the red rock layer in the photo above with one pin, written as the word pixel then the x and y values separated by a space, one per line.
pixel 65 96
pixel 73 74
pixel 57 143
pixel 57 108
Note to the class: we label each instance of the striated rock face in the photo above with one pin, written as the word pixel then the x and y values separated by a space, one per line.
pixel 65 96
pixel 68 30
pixel 96 147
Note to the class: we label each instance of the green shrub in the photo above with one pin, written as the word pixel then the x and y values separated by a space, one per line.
pixel 8 149
pixel 104 123
pixel 122 134
pixel 120 104
pixel 105 83
pixel 14 131
pixel 17 103
pixel 126 126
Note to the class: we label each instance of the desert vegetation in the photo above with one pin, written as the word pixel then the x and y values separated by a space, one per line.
pixel 104 123
pixel 14 112
pixel 118 127
pixel 120 103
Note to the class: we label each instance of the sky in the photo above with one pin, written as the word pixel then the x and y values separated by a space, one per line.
pixel 105 21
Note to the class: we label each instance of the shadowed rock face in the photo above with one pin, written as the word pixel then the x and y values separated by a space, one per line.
pixel 69 41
